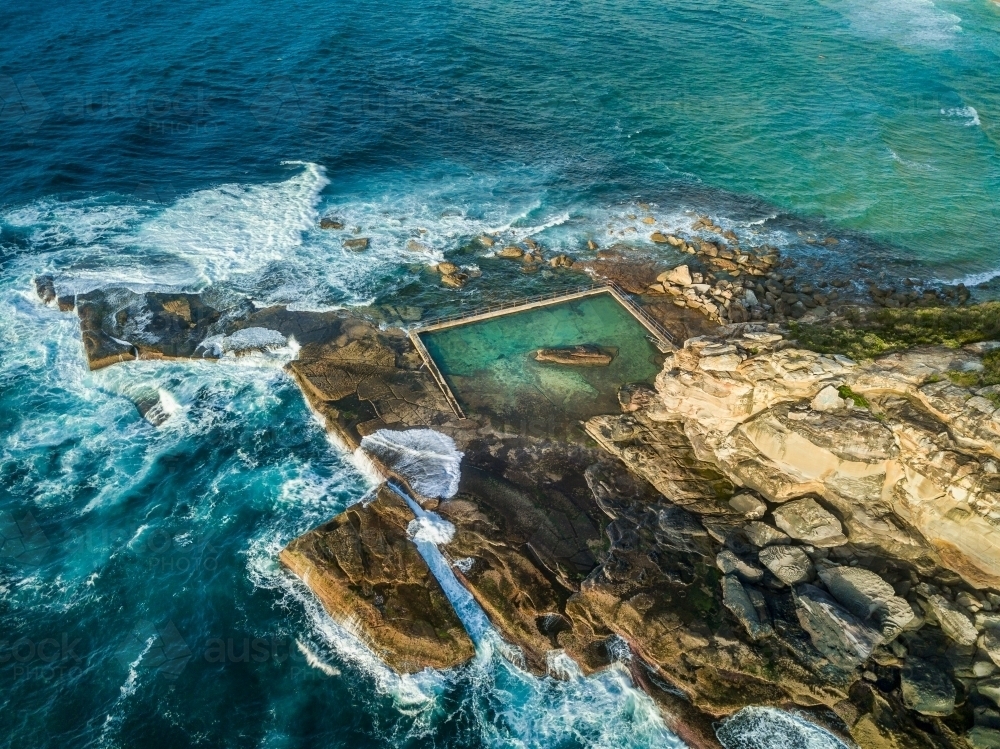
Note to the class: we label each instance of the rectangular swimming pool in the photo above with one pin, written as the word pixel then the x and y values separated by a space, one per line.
pixel 490 367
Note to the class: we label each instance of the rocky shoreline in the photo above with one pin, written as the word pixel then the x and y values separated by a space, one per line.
pixel 769 525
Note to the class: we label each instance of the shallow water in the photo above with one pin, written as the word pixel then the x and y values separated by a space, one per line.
pixel 491 368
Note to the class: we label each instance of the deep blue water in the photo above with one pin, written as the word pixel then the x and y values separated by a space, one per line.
pixel 188 145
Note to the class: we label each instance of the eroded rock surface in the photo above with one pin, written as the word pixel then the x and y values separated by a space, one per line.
pixel 853 577
pixel 365 570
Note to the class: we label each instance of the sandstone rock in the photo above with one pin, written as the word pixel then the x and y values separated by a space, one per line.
pixel 838 635
pixel 828 399
pixel 729 563
pixel 577 356
pixel 983 347
pixel 512 252
pixel 727 362
pixel 748 506
pixel 990 643
pixel 415 246
pixel 330 223
pixel 805 520
pixel 446 269
pixel 680 530
pixel 661 453
pixel 790 564
pixel 658 237
pixel 356 245
pixel 485 240
pixel 681 276
pixel 364 569
pixel 868 596
pixel 736 599
pixel 454 280
pixel 982 669
pixel 762 534
pixel 954 623
pixel 592 245
pixel 981 737
pixel 927 688
pixel 990 688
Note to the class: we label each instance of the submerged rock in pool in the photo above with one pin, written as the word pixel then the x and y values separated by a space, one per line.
pixel 577 356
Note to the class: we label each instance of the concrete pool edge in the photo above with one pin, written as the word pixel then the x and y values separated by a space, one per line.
pixel 663 339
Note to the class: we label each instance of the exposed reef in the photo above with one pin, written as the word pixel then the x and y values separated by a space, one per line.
pixel 768 525
pixel 368 574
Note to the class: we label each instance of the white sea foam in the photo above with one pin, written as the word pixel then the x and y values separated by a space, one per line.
pixel 237 229
pixel 315 661
pixel 971 279
pixel 909 22
pixel 969 114
pixel 427 459
pixel 432 529
pixel 248 339
pixel 765 727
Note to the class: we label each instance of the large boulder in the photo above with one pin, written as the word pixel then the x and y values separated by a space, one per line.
pixel 738 601
pixel 805 520
pixel 927 688
pixel 868 596
pixel 729 563
pixel 838 635
pixel 679 276
pixel 954 623
pixel 790 564
pixel 761 534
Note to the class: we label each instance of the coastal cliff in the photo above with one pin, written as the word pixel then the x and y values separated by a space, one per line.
pixel 768 525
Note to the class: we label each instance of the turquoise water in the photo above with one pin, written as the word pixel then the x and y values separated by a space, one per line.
pixel 194 146
pixel 491 369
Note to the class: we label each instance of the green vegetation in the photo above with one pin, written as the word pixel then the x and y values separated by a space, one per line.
pixel 865 334
pixel 859 400
pixel 869 333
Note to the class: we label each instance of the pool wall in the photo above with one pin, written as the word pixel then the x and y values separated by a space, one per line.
pixel 661 335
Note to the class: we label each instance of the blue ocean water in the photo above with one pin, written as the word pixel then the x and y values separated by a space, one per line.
pixel 195 146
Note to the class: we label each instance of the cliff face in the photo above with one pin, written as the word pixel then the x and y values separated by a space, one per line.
pixel 860 557
pixel 908 462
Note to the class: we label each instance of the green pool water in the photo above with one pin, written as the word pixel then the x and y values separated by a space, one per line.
pixel 491 369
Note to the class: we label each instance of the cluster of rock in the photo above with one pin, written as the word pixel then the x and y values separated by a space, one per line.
pixel 912 296
pixel 454 277
pixel 878 519
pixel 532 256
pixel 353 244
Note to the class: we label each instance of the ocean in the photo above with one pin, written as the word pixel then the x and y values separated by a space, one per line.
pixel 196 147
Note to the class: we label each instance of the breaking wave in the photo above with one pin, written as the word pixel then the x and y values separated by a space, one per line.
pixel 427 459
pixel 765 728
pixel 969 114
